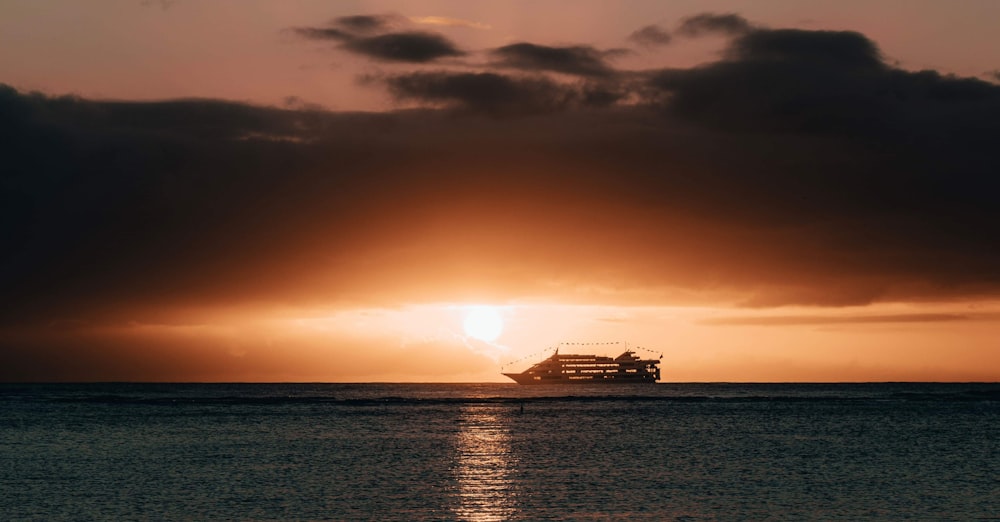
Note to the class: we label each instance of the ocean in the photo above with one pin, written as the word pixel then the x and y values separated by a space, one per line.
pixel 499 452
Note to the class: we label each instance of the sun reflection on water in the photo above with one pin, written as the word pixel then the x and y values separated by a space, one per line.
pixel 484 465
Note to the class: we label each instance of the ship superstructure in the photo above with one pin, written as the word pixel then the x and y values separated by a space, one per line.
pixel 563 368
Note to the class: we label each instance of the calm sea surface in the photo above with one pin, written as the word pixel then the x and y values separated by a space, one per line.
pixel 499 452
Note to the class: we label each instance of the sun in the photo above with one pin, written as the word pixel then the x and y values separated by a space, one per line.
pixel 483 323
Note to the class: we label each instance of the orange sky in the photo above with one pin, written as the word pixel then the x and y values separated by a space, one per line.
pixel 299 191
pixel 241 50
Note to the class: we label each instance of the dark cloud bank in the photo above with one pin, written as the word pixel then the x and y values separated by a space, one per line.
pixel 798 169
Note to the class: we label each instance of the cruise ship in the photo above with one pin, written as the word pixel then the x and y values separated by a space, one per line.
pixel 563 368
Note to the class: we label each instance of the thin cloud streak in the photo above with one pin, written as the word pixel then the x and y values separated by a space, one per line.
pixel 449 22
pixel 814 320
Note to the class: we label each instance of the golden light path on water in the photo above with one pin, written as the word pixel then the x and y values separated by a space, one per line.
pixel 484 466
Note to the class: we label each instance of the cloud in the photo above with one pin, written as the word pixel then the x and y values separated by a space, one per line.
pixel 416 47
pixel 815 81
pixel 707 23
pixel 448 22
pixel 365 35
pixel 650 36
pixel 578 60
pixel 351 28
pixel 497 94
pixel 918 139
pixel 368 23
pixel 830 48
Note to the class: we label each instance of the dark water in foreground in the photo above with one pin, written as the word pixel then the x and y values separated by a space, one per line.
pixel 469 452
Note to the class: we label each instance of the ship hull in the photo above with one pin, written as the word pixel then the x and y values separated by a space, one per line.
pixel 532 381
